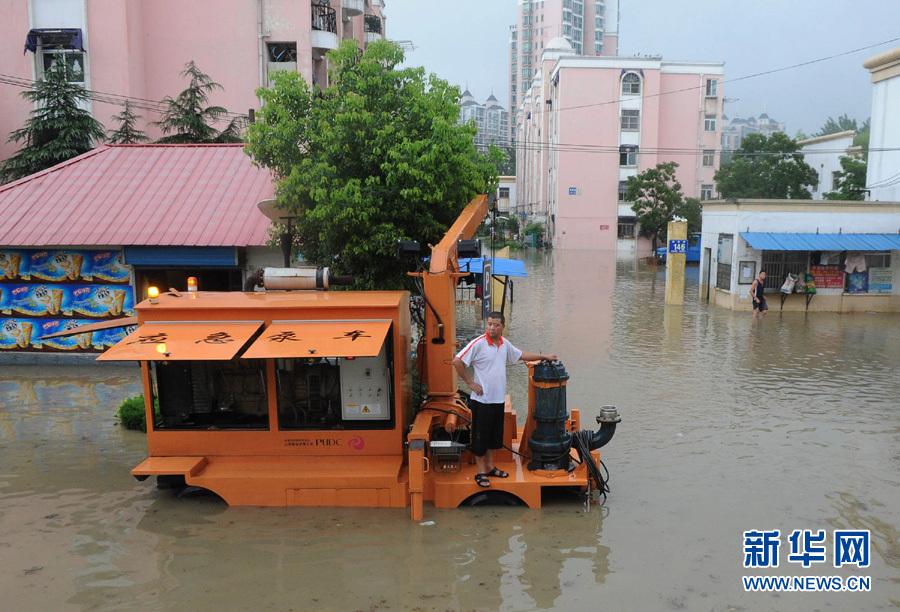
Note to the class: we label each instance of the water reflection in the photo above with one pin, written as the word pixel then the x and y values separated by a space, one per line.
pixel 792 423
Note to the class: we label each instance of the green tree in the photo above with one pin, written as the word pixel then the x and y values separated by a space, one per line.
pixel 841 124
pixel 851 180
pixel 862 137
pixel 766 167
pixel 692 212
pixel 656 198
pixel 57 129
pixel 127 132
pixel 376 156
pixel 187 118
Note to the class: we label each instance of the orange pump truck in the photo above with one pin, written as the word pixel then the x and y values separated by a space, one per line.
pixel 297 396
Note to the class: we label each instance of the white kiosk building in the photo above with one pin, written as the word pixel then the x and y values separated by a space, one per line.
pixel 849 249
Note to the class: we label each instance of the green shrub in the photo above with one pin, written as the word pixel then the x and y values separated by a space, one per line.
pixel 132 415
pixel 534 228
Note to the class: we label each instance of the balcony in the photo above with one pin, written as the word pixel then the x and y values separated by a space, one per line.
pixel 353 8
pixel 324 27
pixel 374 28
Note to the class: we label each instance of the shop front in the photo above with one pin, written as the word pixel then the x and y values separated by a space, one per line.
pixel 835 257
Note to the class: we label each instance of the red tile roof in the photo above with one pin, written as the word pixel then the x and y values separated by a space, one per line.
pixel 147 195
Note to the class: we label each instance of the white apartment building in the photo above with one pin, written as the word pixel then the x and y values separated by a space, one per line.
pixel 491 119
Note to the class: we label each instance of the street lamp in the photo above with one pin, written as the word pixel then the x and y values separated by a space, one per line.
pixel 271 210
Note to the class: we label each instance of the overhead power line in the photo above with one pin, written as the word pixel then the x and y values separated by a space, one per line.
pixel 740 78
pixel 155 106
pixel 589 148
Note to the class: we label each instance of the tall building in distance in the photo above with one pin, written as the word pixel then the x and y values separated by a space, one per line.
pixel 590 26
pixel 491 119
pixel 735 130
pixel 135 50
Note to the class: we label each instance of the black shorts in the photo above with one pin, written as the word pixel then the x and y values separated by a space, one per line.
pixel 760 305
pixel 487 426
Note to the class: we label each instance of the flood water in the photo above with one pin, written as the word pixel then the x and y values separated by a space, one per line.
pixel 793 423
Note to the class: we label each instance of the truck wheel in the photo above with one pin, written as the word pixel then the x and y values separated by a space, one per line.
pixel 492 498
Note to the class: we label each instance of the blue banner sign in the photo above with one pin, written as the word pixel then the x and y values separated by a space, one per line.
pixel 27 334
pixel 678 246
pixel 44 291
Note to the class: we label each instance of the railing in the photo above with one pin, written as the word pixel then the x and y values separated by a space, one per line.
pixel 373 24
pixel 324 18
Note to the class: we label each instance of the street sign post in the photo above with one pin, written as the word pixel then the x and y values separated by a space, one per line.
pixel 678 246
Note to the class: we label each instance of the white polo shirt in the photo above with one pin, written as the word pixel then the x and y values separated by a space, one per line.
pixel 489 360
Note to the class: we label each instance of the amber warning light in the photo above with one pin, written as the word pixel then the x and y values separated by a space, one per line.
pixel 192 283
pixel 153 294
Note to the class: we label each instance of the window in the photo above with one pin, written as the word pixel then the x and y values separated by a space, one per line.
pixel 723 258
pixel 210 395
pixel 282 52
pixel 626 228
pixel 709 123
pixel 623 190
pixel 878 260
pixel 73 60
pixel 309 394
pixel 712 87
pixel 628 155
pixel 707 191
pixel 631 84
pixel 835 179
pixel 631 120
pixel 709 158
pixel 777 265
pixel 504 192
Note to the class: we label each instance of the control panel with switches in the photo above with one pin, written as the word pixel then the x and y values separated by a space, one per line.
pixel 365 388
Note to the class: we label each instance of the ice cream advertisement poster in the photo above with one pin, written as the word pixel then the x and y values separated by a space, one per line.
pixel 62 266
pixel 27 335
pixel 64 300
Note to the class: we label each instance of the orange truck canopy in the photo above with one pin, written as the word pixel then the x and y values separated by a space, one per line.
pixel 183 341
pixel 320 339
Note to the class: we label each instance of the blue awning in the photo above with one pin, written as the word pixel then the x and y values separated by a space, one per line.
pixel 54 38
pixel 821 242
pixel 499 267
pixel 200 257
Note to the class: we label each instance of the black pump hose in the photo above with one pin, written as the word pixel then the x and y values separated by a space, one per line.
pixel 582 441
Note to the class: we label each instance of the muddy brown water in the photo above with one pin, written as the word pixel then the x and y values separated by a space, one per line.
pixel 727 426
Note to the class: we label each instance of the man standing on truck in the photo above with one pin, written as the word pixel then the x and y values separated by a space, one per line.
pixel 488 355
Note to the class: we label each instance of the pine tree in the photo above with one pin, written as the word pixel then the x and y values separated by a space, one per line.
pixel 127 132
pixel 57 129
pixel 188 119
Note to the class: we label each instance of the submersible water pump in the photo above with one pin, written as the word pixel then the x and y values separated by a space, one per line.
pixel 550 443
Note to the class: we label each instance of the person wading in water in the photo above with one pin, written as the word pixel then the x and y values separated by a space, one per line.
pixel 758 293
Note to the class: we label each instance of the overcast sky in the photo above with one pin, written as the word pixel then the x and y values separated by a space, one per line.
pixel 466 42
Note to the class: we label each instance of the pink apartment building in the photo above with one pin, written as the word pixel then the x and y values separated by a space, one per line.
pixel 588 123
pixel 136 48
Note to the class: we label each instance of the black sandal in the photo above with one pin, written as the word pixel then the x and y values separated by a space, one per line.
pixel 482 480
pixel 497 473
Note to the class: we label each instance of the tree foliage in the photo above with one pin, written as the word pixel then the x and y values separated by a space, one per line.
pixel 187 118
pixel 841 124
pixel 656 198
pixel 375 157
pixel 766 167
pixel 851 180
pixel 57 129
pixel 127 131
